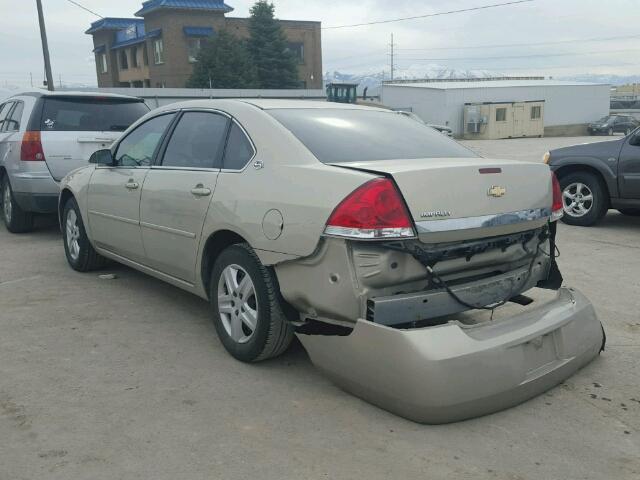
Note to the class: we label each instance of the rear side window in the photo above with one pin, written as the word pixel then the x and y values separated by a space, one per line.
pixel 239 150
pixel 197 141
pixel 344 135
pixel 90 114
pixel 4 111
pixel 139 147
pixel 14 120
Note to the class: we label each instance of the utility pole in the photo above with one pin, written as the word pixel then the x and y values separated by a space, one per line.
pixel 392 58
pixel 45 47
pixel 31 78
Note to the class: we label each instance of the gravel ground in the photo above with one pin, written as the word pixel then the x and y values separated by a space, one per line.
pixel 125 379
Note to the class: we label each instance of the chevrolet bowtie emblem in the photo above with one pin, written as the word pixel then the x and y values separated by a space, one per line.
pixel 497 192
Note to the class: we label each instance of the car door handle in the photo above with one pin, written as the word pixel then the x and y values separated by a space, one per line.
pixel 201 191
pixel 132 185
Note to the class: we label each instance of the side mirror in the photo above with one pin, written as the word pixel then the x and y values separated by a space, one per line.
pixel 102 157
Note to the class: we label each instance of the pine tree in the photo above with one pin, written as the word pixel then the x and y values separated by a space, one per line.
pixel 276 66
pixel 225 61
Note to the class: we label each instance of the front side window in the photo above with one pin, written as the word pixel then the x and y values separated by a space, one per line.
pixel 197 141
pixel 195 45
pixel 355 135
pixel 139 147
pixel 501 114
pixel 158 51
pixel 536 112
pixel 13 122
pixel 239 150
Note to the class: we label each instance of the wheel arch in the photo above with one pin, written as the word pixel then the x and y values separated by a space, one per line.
pixel 65 195
pixel 576 168
pixel 215 244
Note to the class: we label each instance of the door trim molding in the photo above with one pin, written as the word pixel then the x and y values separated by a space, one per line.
pixel 174 231
pixel 114 217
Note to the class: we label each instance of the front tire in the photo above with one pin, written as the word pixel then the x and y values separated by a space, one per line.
pixel 248 310
pixel 15 218
pixel 81 255
pixel 584 198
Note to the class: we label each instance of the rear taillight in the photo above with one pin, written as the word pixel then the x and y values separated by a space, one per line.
pixel 557 209
pixel 31 149
pixel 373 211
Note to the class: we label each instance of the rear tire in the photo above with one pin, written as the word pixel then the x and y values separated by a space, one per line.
pixel 248 311
pixel 610 132
pixel 81 255
pixel 594 209
pixel 632 212
pixel 15 218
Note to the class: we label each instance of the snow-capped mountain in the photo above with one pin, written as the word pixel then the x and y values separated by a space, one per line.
pixel 374 80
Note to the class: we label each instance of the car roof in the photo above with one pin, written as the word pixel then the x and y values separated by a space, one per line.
pixel 263 104
pixel 70 94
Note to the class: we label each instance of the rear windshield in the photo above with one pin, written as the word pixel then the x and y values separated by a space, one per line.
pixel 90 114
pixel 342 135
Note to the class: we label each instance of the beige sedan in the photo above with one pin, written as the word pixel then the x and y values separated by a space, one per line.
pixel 378 241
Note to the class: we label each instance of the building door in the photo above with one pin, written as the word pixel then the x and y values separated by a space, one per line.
pixel 519 121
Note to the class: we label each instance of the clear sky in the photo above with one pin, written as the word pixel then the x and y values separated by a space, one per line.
pixel 444 40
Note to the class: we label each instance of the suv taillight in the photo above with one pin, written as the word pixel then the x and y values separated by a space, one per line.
pixel 31 148
pixel 557 209
pixel 373 211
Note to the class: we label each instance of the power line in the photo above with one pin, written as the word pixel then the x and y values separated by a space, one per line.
pixel 509 57
pixel 559 42
pixel 450 12
pixel 85 8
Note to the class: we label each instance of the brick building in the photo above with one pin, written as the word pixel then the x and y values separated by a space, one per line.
pixel 160 48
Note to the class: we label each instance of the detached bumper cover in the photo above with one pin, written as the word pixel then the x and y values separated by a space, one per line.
pixel 451 372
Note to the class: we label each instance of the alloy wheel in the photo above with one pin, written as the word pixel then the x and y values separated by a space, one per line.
pixel 237 303
pixel 577 199
pixel 73 234
pixel 6 203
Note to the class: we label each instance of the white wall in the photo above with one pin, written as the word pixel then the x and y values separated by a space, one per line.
pixel 564 104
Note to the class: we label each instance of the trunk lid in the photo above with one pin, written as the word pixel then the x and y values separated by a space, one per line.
pixel 452 199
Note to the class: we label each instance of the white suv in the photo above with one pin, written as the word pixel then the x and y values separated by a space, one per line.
pixel 45 135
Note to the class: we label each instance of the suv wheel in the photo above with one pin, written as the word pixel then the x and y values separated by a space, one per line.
pixel 627 132
pixel 610 132
pixel 584 198
pixel 81 255
pixel 248 311
pixel 15 218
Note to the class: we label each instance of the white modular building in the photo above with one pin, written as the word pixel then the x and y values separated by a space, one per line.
pixel 568 106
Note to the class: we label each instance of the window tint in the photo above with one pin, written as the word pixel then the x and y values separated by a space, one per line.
pixel 13 122
pixel 138 148
pixel 345 135
pixel 90 114
pixel 239 149
pixel 197 141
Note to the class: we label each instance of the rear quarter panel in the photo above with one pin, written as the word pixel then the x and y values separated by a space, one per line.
pixel 292 182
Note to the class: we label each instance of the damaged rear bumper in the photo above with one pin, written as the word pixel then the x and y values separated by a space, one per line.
pixel 453 372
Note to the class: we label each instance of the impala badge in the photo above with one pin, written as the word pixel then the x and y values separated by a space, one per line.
pixel 436 214
pixel 497 191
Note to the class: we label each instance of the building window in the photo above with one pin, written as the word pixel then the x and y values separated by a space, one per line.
pixel 124 61
pixel 158 51
pixel 195 45
pixel 134 57
pixel 297 49
pixel 145 55
pixel 536 112
pixel 102 61
pixel 501 114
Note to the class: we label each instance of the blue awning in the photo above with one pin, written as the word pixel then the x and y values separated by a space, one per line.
pixel 155 33
pixel 198 31
pixel 100 49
